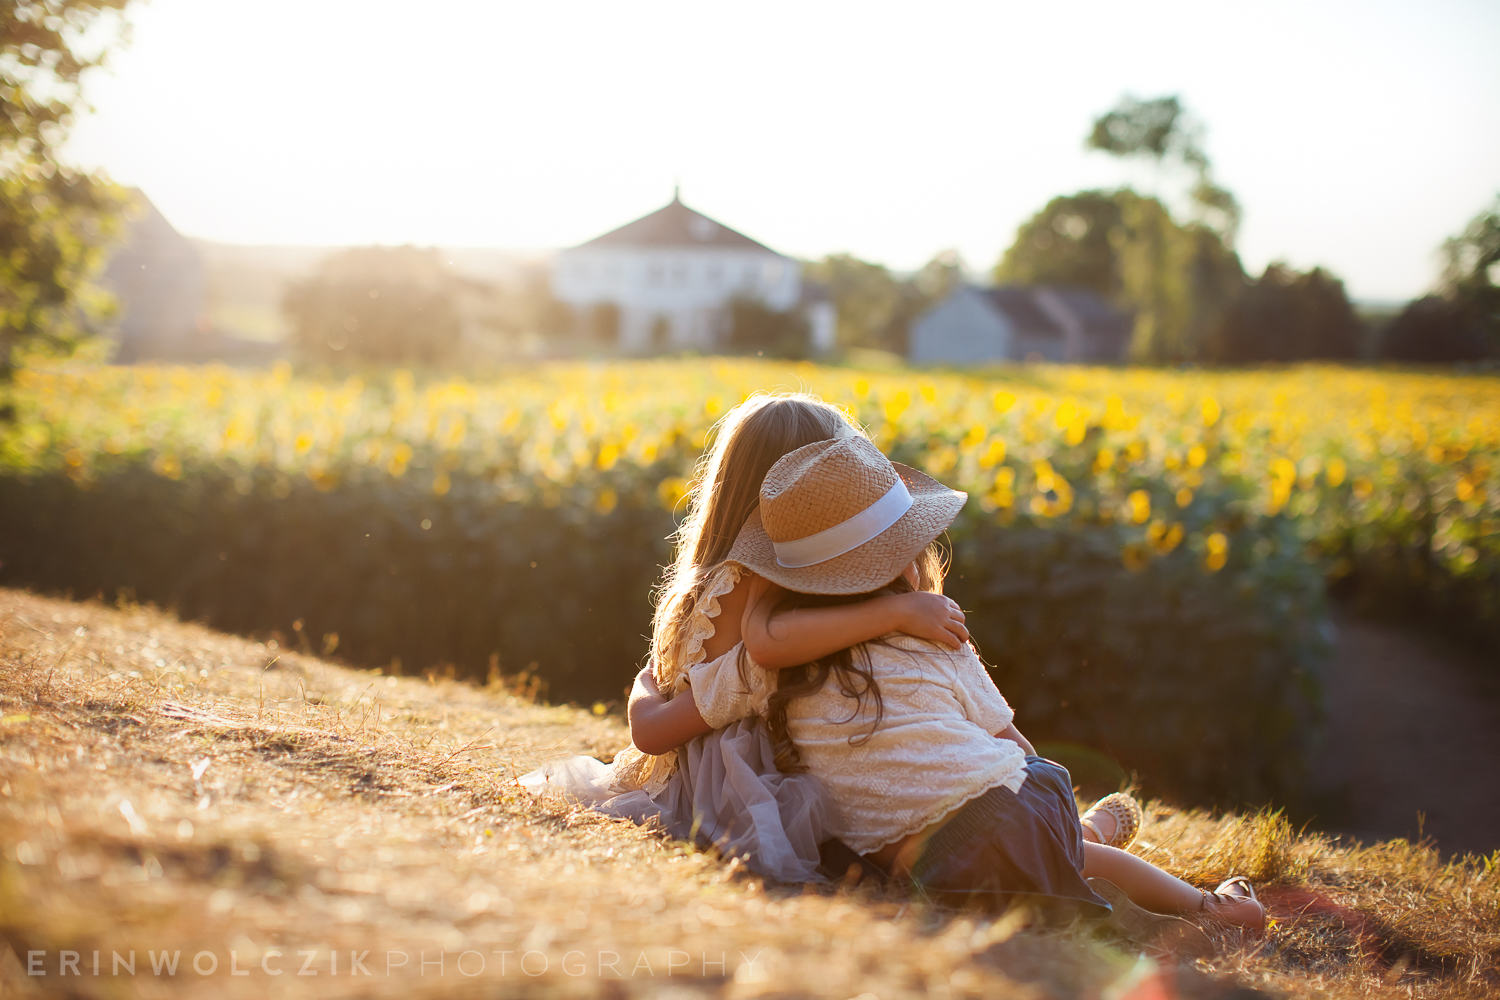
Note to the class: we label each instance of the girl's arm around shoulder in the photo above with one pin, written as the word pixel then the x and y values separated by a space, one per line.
pixel 793 638
pixel 659 724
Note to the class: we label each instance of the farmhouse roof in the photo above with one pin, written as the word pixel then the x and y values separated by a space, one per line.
pixel 676 225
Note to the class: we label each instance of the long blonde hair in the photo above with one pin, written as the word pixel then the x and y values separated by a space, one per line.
pixel 746 443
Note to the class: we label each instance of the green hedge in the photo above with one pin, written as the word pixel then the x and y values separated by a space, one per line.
pixel 1205 684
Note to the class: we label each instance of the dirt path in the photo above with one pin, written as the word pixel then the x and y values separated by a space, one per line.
pixel 1413 729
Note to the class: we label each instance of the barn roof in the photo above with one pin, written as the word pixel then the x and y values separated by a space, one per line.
pixel 1020 306
pixel 676 225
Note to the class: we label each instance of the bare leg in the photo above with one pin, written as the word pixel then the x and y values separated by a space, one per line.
pixel 1150 887
pixel 1146 884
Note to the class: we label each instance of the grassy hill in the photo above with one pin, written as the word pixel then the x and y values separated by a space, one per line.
pixel 168 790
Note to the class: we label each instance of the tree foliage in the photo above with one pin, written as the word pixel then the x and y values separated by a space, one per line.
pixel 1160 129
pixel 866 296
pixel 1462 322
pixel 1471 259
pixel 1178 280
pixel 756 328
pixel 1290 316
pixel 1436 329
pixel 1157 128
pixel 378 304
pixel 1182 279
pixel 54 220
pixel 876 307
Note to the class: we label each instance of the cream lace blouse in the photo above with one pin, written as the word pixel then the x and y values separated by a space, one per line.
pixel 933 751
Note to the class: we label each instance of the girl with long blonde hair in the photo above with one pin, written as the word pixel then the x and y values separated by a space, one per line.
pixel 724 787
pixel 934 784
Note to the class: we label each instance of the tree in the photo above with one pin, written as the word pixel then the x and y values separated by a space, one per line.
pixel 54 220
pixel 1177 280
pixel 1436 329
pixel 1071 242
pixel 1472 258
pixel 756 328
pixel 1471 272
pixel 1161 130
pixel 1290 316
pixel 378 304
pixel 875 307
pixel 866 296
pixel 1462 322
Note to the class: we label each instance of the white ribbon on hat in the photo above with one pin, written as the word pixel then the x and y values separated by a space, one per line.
pixel 846 535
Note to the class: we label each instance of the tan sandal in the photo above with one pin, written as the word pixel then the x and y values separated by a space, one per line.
pixel 1125 811
pixel 1222 897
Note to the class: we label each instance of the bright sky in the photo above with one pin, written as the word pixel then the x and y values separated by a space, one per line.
pixel 1356 134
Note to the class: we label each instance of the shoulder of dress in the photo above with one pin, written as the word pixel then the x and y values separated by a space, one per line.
pixel 717 582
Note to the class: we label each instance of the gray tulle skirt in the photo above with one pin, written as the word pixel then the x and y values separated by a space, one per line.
pixel 726 793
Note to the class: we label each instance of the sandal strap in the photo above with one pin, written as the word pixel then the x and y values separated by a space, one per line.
pixel 1225 898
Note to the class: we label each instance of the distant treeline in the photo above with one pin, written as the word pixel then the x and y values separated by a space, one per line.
pixel 1169 261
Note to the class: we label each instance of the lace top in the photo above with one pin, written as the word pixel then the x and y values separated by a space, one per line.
pixel 633 768
pixel 933 751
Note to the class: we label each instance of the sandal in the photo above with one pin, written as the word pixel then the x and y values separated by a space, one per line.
pixel 1157 932
pixel 1125 811
pixel 1223 898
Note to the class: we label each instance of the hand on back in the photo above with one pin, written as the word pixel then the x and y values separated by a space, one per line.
pixel 930 616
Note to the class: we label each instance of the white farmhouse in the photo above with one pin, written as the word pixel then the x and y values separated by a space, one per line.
pixel 666 280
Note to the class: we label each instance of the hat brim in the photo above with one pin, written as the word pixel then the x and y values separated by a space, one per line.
pixel 873 564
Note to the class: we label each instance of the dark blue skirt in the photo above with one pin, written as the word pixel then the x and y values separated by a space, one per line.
pixel 1007 849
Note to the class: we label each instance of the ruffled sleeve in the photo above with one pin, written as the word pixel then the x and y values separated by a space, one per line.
pixel 723 695
pixel 671 677
pixel 633 768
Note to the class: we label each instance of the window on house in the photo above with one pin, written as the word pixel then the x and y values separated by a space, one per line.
pixel 679 273
pixel 654 274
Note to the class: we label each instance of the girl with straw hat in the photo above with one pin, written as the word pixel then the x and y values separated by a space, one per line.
pixel 919 751
pixel 722 787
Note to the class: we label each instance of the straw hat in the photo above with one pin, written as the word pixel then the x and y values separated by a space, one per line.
pixel 838 517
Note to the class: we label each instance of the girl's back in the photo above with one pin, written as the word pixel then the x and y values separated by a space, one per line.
pixel 931 750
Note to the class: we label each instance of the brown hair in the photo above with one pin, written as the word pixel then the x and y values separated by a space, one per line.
pixel 850 667
pixel 726 488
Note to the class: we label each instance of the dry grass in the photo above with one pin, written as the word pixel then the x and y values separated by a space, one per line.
pixel 166 788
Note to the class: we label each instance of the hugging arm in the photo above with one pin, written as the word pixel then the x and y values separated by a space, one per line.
pixel 659 724
pixel 1013 734
pixel 793 638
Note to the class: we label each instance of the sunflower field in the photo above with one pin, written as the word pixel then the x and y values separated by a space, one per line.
pixel 1144 555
